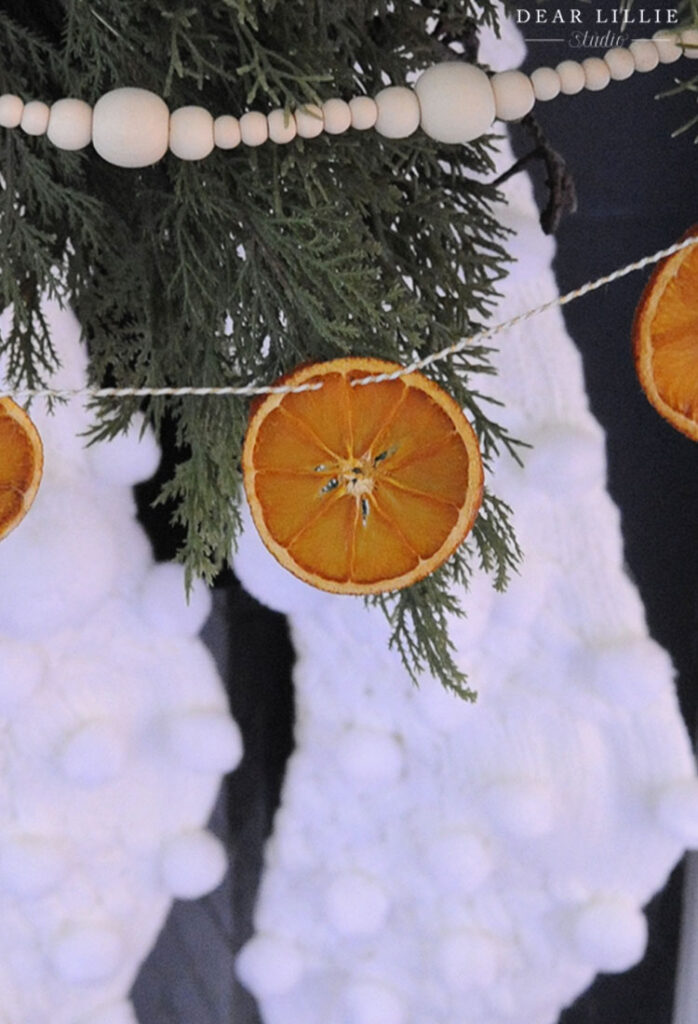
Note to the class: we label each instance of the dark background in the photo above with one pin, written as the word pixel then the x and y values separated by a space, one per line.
pixel 636 193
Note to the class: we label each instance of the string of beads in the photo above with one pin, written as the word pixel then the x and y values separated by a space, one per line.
pixel 452 102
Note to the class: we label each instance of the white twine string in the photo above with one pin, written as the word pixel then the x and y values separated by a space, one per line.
pixel 419 364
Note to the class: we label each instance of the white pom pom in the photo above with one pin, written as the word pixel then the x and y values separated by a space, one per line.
pixel 611 934
pixel 114 1013
pixel 87 953
pixel 369 755
pixel 522 807
pixel 206 741
pixel 21 667
pixel 677 810
pixel 167 606
pixel 461 856
pixel 193 864
pixel 94 754
pixel 634 672
pixel 565 461
pixel 356 904
pixel 269 965
pixel 371 1003
pixel 468 959
pixel 128 457
pixel 31 865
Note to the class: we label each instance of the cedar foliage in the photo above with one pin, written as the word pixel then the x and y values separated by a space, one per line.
pixel 233 270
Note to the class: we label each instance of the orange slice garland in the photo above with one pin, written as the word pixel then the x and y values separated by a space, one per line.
pixel 665 339
pixel 361 489
pixel 21 464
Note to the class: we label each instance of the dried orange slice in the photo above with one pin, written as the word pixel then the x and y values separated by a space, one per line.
pixel 361 489
pixel 665 339
pixel 21 464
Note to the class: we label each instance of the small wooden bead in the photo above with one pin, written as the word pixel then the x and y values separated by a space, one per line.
pixel 546 84
pixel 226 132
pixel 645 54
pixel 130 127
pixel 254 128
pixel 597 73
pixel 337 115
pixel 689 40
pixel 456 102
pixel 572 78
pixel 667 45
pixel 35 118
pixel 620 63
pixel 513 95
pixel 364 112
pixel 309 121
pixel 70 124
pixel 282 126
pixel 11 109
pixel 191 133
pixel 398 112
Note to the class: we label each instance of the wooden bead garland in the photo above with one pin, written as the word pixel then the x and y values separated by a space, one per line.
pixel 452 102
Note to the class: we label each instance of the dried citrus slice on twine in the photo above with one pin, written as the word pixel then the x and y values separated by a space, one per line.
pixel 359 489
pixel 665 339
pixel 21 464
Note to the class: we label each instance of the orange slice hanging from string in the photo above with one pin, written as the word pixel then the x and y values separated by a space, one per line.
pixel 665 339
pixel 360 489
pixel 21 464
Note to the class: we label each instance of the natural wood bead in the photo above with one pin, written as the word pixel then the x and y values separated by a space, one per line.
pixel 254 128
pixel 364 112
pixel 35 118
pixel 309 121
pixel 282 126
pixel 398 112
pixel 597 73
pixel 546 83
pixel 513 95
pixel 456 102
pixel 620 63
pixel 572 78
pixel 191 133
pixel 11 109
pixel 131 127
pixel 337 115
pixel 70 124
pixel 645 54
pixel 667 45
pixel 226 132
pixel 689 39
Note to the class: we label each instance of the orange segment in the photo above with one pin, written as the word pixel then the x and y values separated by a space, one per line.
pixel 360 489
pixel 665 339
pixel 21 464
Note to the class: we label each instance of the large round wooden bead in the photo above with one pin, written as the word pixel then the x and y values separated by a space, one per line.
pixel 35 118
pixel 130 127
pixel 645 54
pixel 398 112
pixel 309 121
pixel 11 110
pixel 546 83
pixel 226 132
pixel 666 42
pixel 572 78
pixel 364 112
pixel 689 40
pixel 282 126
pixel 513 95
pixel 597 73
pixel 620 63
pixel 70 124
pixel 191 133
pixel 456 102
pixel 254 128
pixel 337 115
